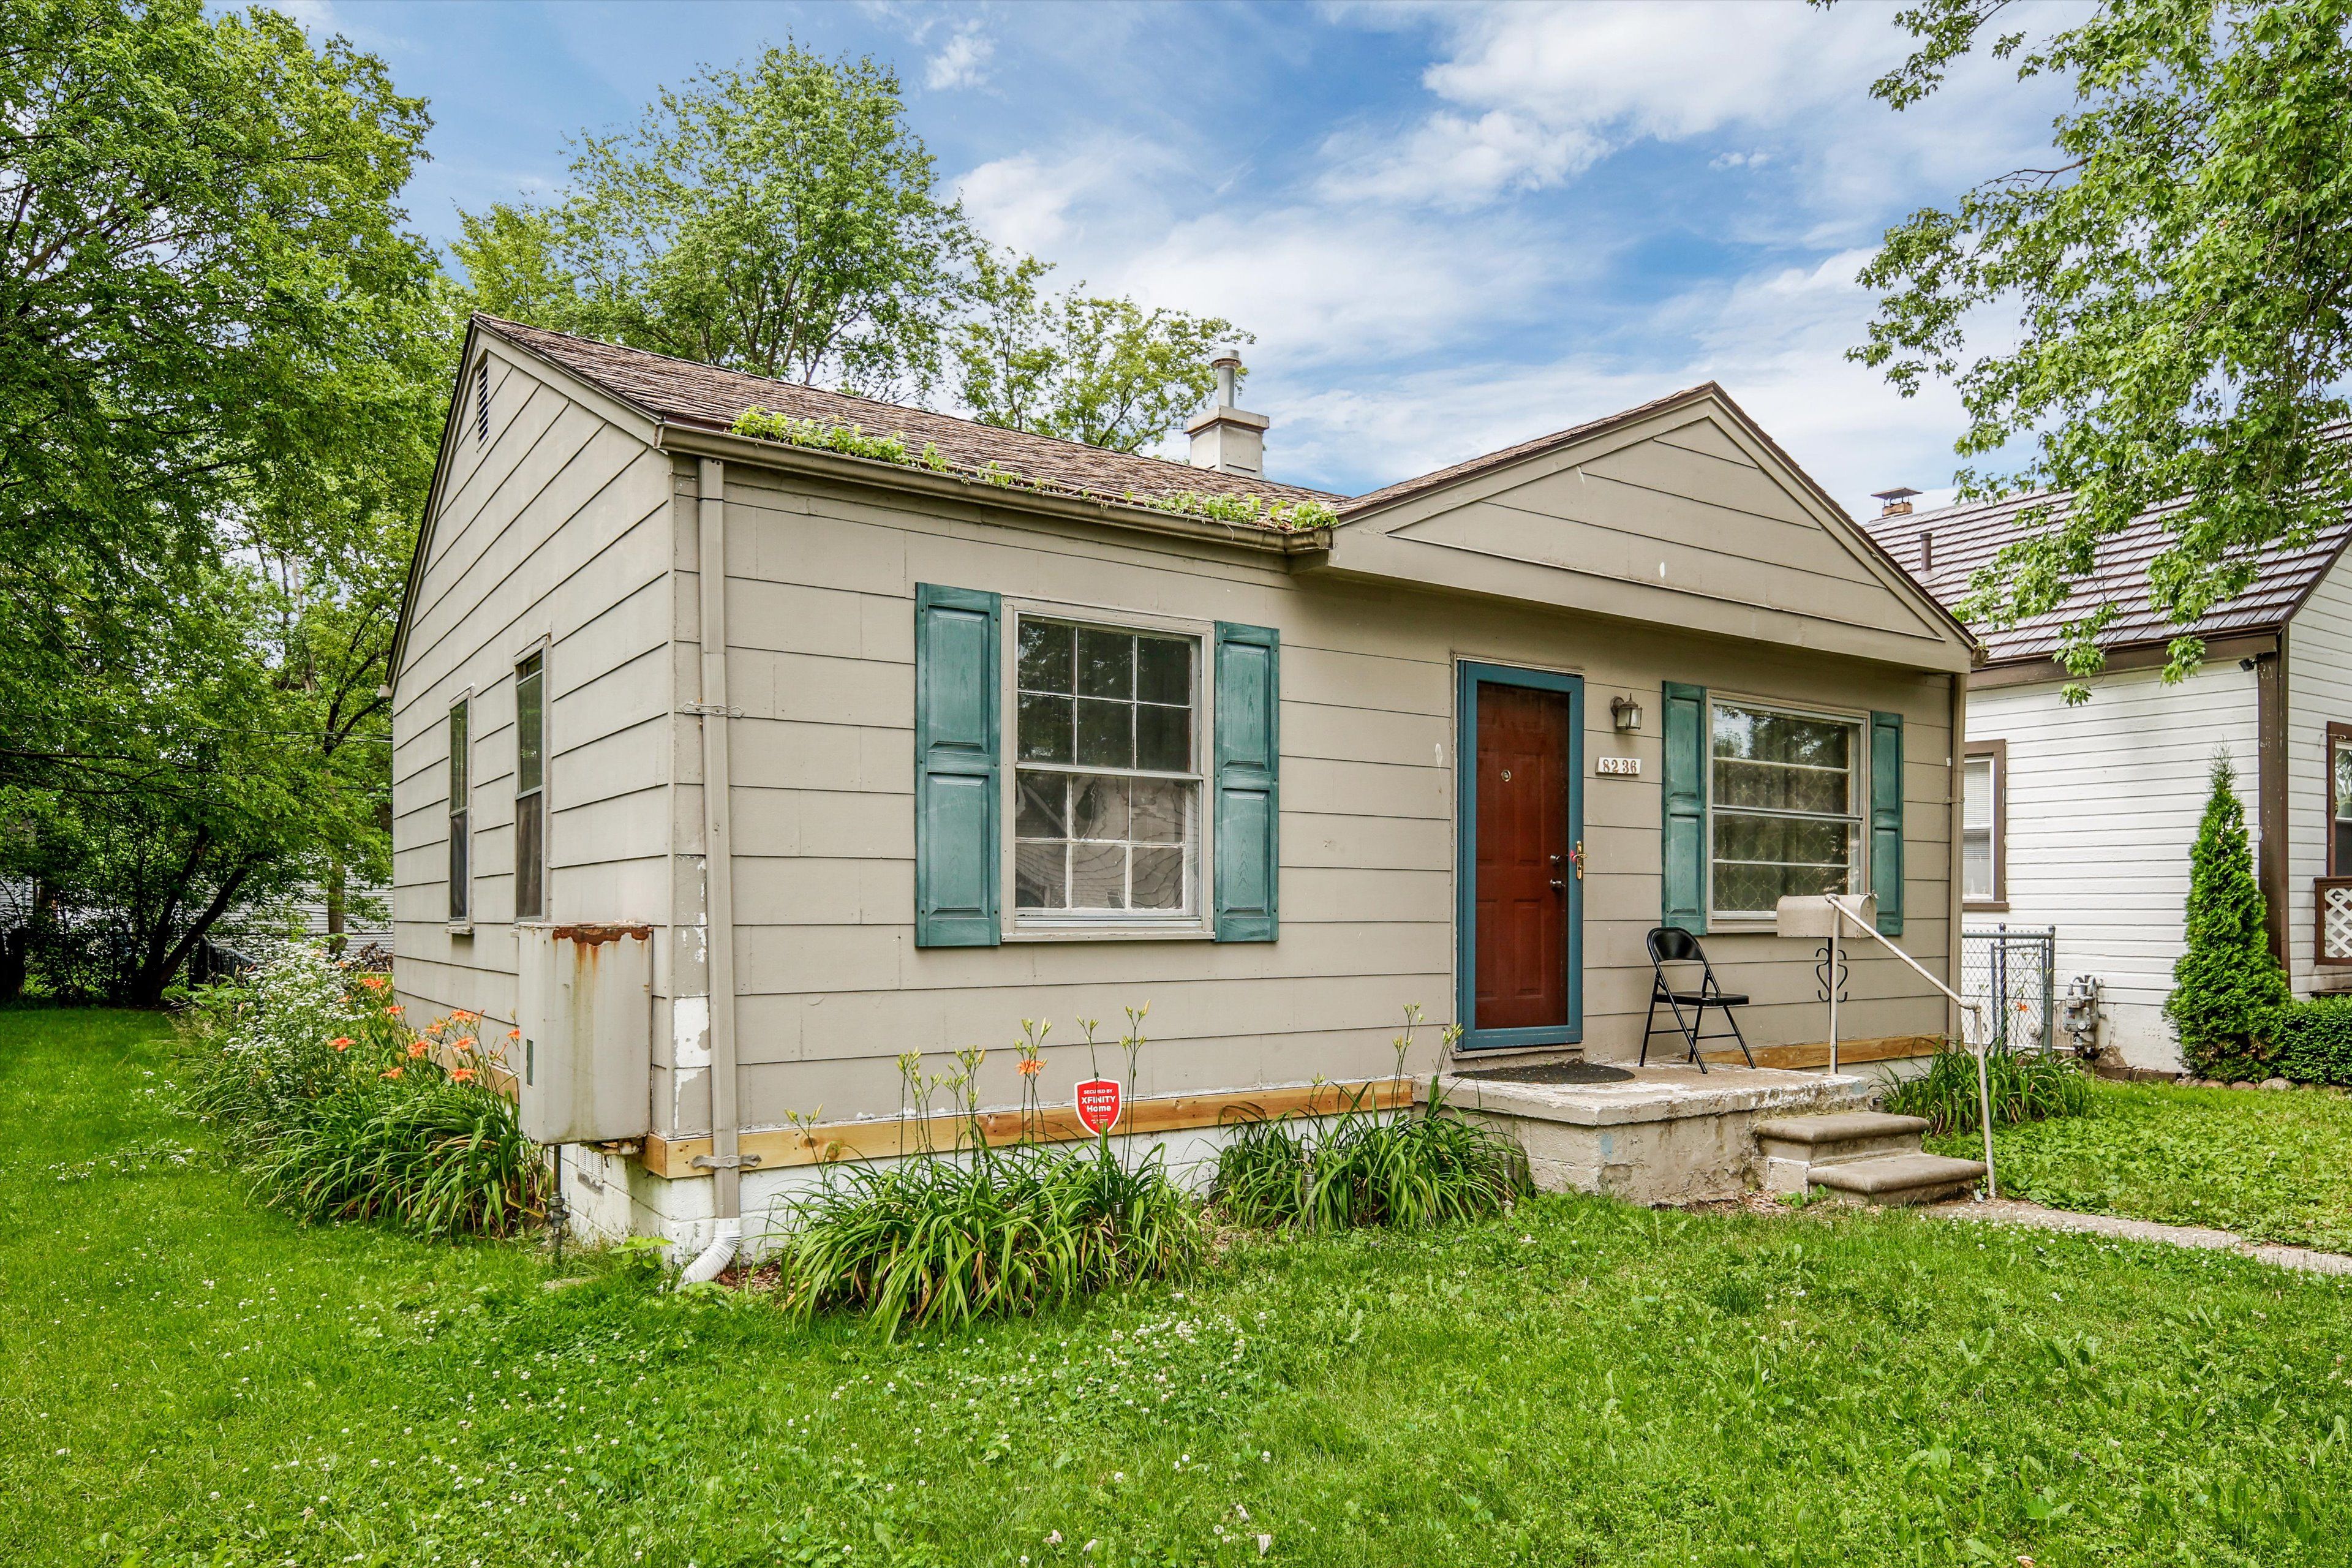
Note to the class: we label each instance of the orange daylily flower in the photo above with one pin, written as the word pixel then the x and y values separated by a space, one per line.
pixel 390 1072
pixel 373 981
pixel 461 1075
pixel 464 1042
pixel 514 1034
pixel 394 1011
pixel 1032 1068
pixel 462 1017
pixel 341 1042
pixel 416 1047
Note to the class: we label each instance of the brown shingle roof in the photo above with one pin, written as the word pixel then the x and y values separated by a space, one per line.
pixel 682 392
pixel 1968 537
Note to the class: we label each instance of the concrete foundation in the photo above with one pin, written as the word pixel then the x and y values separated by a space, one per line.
pixel 1671 1135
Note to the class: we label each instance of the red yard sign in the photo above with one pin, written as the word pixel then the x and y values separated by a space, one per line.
pixel 1098 1104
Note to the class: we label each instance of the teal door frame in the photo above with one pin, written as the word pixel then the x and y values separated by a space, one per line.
pixel 1470 675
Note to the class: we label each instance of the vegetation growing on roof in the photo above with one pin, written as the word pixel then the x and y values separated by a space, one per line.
pixel 1254 511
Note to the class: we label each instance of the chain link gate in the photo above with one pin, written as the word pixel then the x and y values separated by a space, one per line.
pixel 2013 971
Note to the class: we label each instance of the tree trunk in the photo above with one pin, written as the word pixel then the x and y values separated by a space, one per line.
pixel 337 899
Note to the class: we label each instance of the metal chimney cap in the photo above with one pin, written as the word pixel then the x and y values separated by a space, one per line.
pixel 1227 354
pixel 1900 492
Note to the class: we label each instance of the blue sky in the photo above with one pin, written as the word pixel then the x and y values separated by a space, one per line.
pixel 1450 226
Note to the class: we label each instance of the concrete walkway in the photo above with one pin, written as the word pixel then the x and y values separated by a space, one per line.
pixel 2008 1211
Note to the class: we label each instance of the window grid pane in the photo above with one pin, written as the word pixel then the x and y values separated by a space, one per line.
pixel 1098 707
pixel 1781 803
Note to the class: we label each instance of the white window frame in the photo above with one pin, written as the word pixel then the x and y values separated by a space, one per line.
pixel 1114 925
pixel 1858 800
pixel 1996 764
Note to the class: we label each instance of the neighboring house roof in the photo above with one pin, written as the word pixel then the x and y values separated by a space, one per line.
pixel 1968 537
pixel 682 392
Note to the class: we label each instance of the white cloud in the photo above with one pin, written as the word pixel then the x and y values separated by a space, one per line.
pixel 961 61
pixel 1457 162
pixel 1535 94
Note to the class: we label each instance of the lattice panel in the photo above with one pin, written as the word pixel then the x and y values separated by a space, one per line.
pixel 2335 922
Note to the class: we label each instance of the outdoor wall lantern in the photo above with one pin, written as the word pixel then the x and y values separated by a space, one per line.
pixel 1625 713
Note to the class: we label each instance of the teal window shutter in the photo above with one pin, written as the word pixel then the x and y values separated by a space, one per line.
pixel 1685 791
pixel 957 797
pixel 1887 819
pixel 1247 782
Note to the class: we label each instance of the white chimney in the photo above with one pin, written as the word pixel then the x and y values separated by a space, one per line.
pixel 1228 439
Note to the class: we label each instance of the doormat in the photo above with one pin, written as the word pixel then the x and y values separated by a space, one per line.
pixel 1553 1073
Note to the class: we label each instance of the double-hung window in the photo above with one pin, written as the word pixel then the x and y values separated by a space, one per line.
pixel 1785 806
pixel 531 789
pixel 1984 789
pixel 1107 748
pixel 460 838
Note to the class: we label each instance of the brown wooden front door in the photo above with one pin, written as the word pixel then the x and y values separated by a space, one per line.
pixel 1523 865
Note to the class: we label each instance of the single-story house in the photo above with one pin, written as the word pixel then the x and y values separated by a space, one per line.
pixel 1015 728
pixel 2080 817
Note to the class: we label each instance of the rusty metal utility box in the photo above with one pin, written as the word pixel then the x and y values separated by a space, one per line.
pixel 584 1005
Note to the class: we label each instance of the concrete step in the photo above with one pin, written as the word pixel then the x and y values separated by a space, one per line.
pixel 1794 1146
pixel 1890 1179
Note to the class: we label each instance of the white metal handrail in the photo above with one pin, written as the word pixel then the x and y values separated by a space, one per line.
pixel 1974 1009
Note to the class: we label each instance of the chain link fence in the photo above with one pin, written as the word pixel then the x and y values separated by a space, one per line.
pixel 2013 969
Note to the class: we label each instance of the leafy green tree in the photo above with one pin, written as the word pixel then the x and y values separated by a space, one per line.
pixel 777 219
pixel 2228 992
pixel 514 268
pixel 2181 276
pixel 1104 372
pixel 222 364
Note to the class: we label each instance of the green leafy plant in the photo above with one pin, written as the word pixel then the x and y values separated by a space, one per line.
pixel 1423 1165
pixel 337 1109
pixel 2228 989
pixel 2315 1041
pixel 1287 517
pixel 981 1230
pixel 2025 1086
pixel 938 1240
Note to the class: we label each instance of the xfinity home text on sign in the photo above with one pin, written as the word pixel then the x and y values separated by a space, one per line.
pixel 1098 1105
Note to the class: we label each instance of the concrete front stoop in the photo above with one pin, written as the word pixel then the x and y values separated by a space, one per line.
pixel 1865 1156
pixel 1664 1135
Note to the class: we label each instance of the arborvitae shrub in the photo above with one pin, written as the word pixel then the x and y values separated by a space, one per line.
pixel 2228 992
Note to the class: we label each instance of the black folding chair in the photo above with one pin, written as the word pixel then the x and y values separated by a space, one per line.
pixel 1669 944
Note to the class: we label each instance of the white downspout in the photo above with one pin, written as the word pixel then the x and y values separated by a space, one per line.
pixel 724 1161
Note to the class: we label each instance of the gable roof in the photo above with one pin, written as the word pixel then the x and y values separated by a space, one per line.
pixel 1486 462
pixel 683 391
pixel 1968 537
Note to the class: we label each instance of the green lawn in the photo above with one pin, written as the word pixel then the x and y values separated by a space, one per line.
pixel 2277 1166
pixel 185 1381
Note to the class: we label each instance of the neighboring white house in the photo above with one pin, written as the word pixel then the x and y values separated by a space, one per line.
pixel 2080 817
